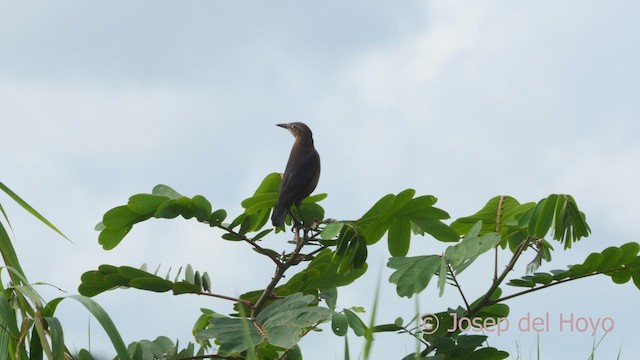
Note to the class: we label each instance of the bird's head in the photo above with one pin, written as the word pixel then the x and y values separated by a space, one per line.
pixel 297 129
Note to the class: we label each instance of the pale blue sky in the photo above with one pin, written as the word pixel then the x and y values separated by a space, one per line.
pixel 462 100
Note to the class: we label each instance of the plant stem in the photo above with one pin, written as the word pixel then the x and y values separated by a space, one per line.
pixel 280 270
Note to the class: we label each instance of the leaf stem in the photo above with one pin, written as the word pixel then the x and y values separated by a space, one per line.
pixel 498 223
pixel 457 285
pixel 259 248
pixel 491 302
pixel 225 297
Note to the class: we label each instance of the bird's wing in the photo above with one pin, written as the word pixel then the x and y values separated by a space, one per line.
pixel 300 178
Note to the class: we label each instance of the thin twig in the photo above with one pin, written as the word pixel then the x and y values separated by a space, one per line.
pixel 259 248
pixel 491 302
pixel 303 334
pixel 197 357
pixel 498 223
pixel 316 251
pixel 415 336
pixel 457 285
pixel 225 297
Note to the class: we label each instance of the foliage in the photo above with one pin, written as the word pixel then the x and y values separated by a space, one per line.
pixel 327 254
pixel 28 327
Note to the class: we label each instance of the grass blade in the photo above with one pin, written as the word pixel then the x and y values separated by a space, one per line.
pixel 57 337
pixel 107 324
pixel 31 210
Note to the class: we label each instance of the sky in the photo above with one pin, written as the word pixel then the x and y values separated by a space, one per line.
pixel 461 100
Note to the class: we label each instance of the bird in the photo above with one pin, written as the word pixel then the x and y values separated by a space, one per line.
pixel 301 174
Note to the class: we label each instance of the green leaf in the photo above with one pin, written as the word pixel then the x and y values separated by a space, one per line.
pixel 560 274
pixel 168 210
pixel 156 284
pixel 463 254
pixel 629 253
pixel 259 202
pixel 386 328
pixel 217 217
pixel 371 220
pixel 231 333
pixel 437 229
pixel 330 296
pixel 145 204
pixel 284 320
pixel 621 276
pixel 262 234
pixel 399 237
pixel 184 287
pixel 110 238
pixel 339 324
pixel 534 217
pixel 592 262
pixel 412 274
pixel 610 258
pixel 189 274
pixel 206 282
pixel 570 225
pixel 331 230
pixel 121 217
pixel 521 283
pixel 164 190
pixel 542 278
pixel 470 341
pixel 545 217
pixel 311 213
pixel 498 210
pixel 321 273
pixel 442 276
pixel 201 208
pixel 358 327
pixel 488 353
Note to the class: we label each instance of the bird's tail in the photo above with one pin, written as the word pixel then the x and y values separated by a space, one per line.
pixel 279 214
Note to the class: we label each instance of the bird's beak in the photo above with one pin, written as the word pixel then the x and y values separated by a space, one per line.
pixel 283 126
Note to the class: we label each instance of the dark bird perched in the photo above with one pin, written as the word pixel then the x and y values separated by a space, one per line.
pixel 301 174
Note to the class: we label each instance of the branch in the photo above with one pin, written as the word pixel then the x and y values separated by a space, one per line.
pixel 456 284
pixel 280 270
pixel 491 302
